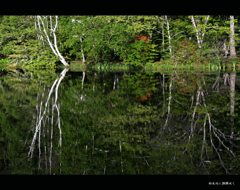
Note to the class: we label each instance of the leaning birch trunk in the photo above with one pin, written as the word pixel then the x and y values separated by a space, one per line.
pixel 43 27
pixel 232 38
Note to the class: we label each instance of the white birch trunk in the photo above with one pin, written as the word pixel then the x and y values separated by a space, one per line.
pixel 196 31
pixel 169 35
pixel 232 38
pixel 200 32
pixel 43 27
pixel 83 55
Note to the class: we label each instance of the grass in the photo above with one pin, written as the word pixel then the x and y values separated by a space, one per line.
pixel 78 66
pixel 158 67
pixel 163 66
pixel 75 66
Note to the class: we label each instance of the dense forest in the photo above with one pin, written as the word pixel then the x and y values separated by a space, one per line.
pixel 142 41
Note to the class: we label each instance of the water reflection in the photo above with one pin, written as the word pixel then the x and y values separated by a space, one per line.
pixel 47 118
pixel 232 92
pixel 121 123
pixel 200 125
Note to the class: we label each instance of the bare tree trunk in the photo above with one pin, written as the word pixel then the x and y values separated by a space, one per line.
pixel 83 55
pixel 169 36
pixel 43 28
pixel 225 49
pixel 200 32
pixel 197 32
pixel 163 42
pixel 232 38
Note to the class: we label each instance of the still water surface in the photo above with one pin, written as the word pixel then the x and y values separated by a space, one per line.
pixel 119 123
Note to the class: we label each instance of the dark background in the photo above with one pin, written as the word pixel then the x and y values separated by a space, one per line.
pixel 119 7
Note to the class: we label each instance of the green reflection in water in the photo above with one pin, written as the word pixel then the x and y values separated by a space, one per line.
pixel 119 123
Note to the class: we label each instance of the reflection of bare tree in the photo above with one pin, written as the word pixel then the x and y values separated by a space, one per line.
pixel 232 92
pixel 82 97
pixel 169 102
pixel 193 122
pixel 216 84
pixel 48 116
pixel 218 140
pixel 228 80
pixel 215 141
pixel 115 82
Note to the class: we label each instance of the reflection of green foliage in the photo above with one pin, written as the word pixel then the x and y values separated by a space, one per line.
pixel 109 121
pixel 106 130
pixel 138 84
pixel 105 124
pixel 15 118
pixel 17 102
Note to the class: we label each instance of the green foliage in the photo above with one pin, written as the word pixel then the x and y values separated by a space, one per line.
pixel 107 39
pixel 19 43
pixel 112 39
pixel 15 33
pixel 140 53
pixel 40 60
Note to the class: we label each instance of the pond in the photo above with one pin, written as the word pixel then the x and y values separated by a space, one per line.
pixel 95 122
